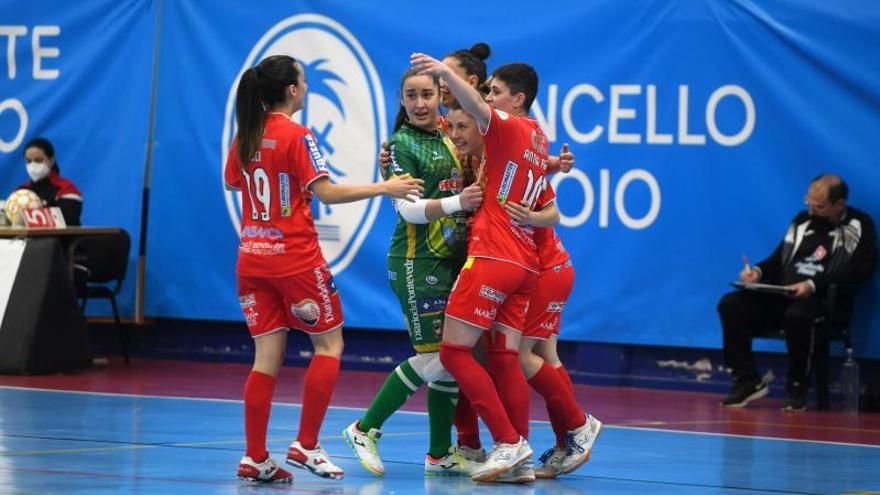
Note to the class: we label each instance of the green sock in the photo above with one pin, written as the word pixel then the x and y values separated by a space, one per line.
pixel 398 387
pixel 442 397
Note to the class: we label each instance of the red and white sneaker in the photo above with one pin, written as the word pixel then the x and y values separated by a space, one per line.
pixel 267 471
pixel 317 461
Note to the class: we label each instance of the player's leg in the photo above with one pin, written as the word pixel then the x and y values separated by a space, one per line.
pixel 265 319
pixel 317 310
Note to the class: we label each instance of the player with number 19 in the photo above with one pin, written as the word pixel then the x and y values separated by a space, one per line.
pixel 283 280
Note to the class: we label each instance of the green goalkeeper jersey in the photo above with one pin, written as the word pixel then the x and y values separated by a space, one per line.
pixel 429 156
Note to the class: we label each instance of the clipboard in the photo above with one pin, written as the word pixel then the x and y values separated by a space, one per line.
pixel 765 288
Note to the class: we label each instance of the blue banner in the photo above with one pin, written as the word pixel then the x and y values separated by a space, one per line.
pixel 79 75
pixel 697 127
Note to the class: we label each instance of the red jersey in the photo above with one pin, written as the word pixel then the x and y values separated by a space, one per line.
pixel 278 236
pixel 551 252
pixel 515 158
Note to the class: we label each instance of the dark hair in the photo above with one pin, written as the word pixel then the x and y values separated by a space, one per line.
pixel 46 147
pixel 401 112
pixel 837 187
pixel 473 61
pixel 259 89
pixel 519 78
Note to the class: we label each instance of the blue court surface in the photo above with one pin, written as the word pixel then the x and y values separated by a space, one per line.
pixel 75 442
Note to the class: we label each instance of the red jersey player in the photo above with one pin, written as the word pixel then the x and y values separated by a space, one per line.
pixel 283 280
pixel 493 288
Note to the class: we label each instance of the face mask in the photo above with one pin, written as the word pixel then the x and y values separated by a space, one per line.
pixel 37 170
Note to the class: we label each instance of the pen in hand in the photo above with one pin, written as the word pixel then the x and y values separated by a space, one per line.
pixel 748 274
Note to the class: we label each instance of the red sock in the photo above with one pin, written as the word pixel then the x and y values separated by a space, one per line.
pixel 317 390
pixel 560 433
pixel 476 384
pixel 565 377
pixel 560 400
pixel 465 422
pixel 512 387
pixel 258 390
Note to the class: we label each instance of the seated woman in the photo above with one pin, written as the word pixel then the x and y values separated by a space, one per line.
pixel 46 181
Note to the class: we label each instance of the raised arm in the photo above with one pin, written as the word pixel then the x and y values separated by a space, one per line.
pixel 468 97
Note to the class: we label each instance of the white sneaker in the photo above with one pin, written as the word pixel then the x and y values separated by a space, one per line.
pixel 451 464
pixel 580 443
pixel 267 471
pixel 474 455
pixel 550 463
pixel 364 447
pixel 317 461
pixel 502 457
pixel 524 473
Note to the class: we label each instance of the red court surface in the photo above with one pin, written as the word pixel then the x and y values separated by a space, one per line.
pixel 633 407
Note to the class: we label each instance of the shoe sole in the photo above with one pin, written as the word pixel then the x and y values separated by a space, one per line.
pixel 366 466
pixel 445 474
pixel 546 476
pixel 257 480
pixel 298 465
pixel 586 457
pixel 491 475
pixel 758 394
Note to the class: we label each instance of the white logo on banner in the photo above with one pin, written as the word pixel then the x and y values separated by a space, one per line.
pixel 344 108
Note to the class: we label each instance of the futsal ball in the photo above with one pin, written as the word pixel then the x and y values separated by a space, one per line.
pixel 21 199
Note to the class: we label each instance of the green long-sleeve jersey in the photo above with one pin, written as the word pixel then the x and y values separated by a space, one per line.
pixel 429 156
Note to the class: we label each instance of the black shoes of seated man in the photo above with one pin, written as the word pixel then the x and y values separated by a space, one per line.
pixel 746 391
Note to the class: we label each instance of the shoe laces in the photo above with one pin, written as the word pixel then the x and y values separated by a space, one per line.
pixel 547 455
pixel 572 445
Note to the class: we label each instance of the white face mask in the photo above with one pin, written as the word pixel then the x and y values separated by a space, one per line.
pixel 37 170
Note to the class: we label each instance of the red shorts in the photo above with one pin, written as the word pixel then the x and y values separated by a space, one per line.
pixel 548 300
pixel 307 301
pixel 491 291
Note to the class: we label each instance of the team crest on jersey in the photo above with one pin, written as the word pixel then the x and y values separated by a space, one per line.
pixel 540 142
pixel 306 311
pixel 344 110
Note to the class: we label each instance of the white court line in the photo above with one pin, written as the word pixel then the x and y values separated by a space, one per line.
pixel 346 408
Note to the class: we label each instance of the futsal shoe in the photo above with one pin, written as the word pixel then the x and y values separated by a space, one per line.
pixel 317 461
pixel 795 397
pixel 474 455
pixel 503 457
pixel 524 473
pixel 745 391
pixel 451 464
pixel 550 463
pixel 267 471
pixel 579 444
pixel 364 447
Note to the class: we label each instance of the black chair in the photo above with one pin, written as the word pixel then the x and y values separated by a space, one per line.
pixel 833 325
pixel 104 261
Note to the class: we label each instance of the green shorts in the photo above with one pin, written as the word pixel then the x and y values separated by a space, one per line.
pixel 422 287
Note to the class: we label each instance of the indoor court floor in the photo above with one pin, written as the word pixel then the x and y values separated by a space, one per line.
pixel 176 427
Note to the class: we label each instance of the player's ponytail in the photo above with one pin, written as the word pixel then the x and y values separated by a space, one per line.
pixel 249 115
pixel 260 89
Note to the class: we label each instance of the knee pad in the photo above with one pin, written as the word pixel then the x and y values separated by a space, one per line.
pixel 429 368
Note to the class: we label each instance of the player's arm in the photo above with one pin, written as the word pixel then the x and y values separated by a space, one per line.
pixel 395 186
pixel 562 163
pixel 547 216
pixel 468 97
pixel 426 210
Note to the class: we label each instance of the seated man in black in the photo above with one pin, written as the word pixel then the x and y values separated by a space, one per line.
pixel 828 243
